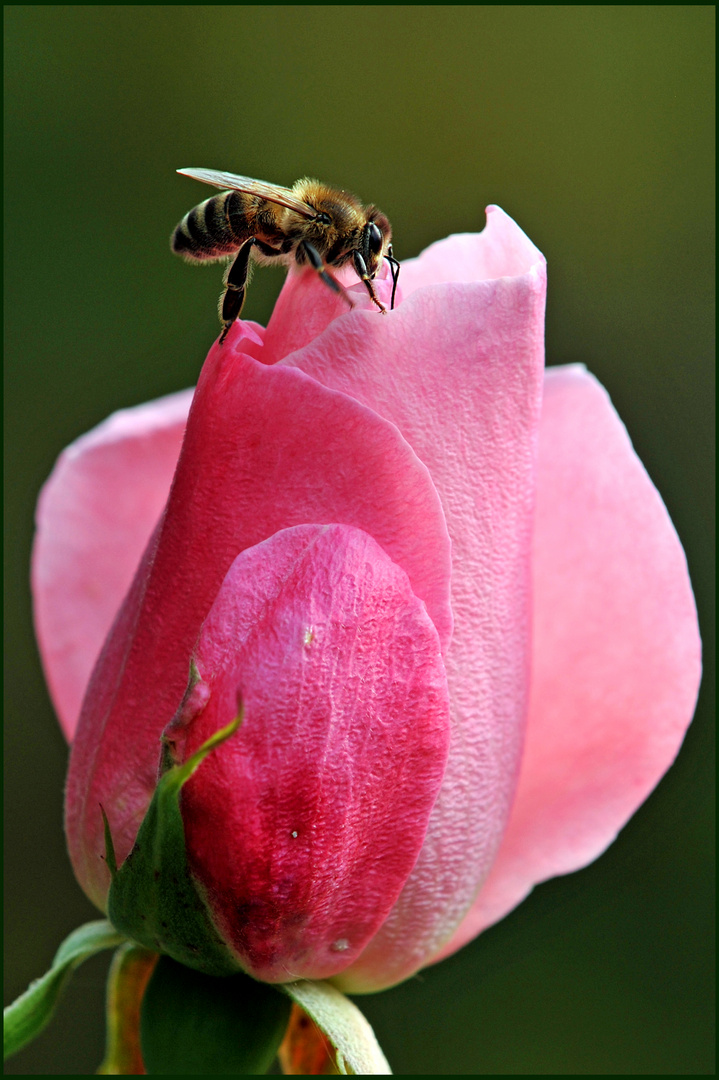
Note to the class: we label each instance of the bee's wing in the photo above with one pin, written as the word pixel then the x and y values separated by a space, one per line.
pixel 272 192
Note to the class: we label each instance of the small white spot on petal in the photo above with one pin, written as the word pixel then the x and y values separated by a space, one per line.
pixel 294 834
pixel 309 635
pixel 340 945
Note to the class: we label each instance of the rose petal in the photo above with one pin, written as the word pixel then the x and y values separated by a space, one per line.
pixel 306 307
pixel 502 252
pixel 458 369
pixel 265 448
pixel 304 826
pixel 616 658
pixel 94 517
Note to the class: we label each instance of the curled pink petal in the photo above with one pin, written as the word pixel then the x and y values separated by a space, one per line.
pixel 265 448
pixel 616 657
pixel 502 250
pixel 94 517
pixel 304 826
pixel 458 369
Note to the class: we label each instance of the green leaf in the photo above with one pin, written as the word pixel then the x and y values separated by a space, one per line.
pixel 356 1047
pixel 192 1023
pixel 28 1015
pixel 153 897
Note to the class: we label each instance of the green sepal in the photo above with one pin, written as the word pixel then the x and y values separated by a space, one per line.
pixel 153 899
pixel 356 1050
pixel 28 1015
pixel 127 980
pixel 192 1023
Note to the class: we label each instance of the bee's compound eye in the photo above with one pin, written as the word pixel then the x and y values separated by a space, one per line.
pixel 374 237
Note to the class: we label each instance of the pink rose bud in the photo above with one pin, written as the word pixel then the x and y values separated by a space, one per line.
pixel 457 615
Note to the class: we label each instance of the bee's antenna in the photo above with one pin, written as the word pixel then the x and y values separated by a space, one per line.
pixel 394 271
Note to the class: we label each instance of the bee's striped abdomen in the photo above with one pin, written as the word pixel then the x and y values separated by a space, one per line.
pixel 210 231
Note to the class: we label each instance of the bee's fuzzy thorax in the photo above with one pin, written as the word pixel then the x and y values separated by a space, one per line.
pixel 310 224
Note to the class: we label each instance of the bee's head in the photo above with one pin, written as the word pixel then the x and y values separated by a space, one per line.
pixel 376 246
pixel 375 240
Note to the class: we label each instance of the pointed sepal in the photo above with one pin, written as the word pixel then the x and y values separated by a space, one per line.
pixel 153 899
pixel 355 1050
pixel 128 977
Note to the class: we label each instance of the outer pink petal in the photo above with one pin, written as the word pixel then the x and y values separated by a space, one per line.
pixel 304 826
pixel 265 448
pixel 458 368
pixel 461 258
pixel 94 517
pixel 616 657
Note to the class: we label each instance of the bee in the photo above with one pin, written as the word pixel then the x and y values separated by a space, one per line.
pixel 310 224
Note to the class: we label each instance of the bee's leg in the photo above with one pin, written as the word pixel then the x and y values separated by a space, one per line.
pixel 270 252
pixel 235 284
pixel 314 258
pixel 361 267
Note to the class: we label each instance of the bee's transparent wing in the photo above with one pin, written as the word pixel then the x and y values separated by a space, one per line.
pixel 271 192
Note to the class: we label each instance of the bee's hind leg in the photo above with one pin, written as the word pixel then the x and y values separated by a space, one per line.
pixel 235 280
pixel 314 258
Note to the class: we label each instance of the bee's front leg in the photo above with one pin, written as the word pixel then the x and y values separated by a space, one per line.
pixel 361 267
pixel 313 257
pixel 235 280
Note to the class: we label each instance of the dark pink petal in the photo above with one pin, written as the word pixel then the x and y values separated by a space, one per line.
pixel 247 337
pixel 94 517
pixel 306 307
pixel 616 657
pixel 265 448
pixel 458 369
pixel 304 826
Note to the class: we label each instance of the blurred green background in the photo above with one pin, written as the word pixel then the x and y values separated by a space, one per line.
pixel 593 127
